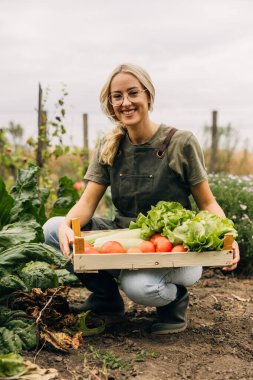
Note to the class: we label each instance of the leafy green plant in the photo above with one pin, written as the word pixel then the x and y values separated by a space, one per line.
pixel 235 195
pixel 67 196
pixel 11 365
pixel 105 359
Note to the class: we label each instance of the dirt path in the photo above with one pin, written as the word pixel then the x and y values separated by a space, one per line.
pixel 217 345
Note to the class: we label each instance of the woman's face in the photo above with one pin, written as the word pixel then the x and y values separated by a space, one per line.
pixel 130 101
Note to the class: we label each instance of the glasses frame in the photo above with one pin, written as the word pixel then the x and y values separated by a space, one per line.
pixel 123 97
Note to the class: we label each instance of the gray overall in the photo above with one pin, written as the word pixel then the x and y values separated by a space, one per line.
pixel 140 177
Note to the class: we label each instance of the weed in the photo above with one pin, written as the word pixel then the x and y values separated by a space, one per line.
pixel 103 361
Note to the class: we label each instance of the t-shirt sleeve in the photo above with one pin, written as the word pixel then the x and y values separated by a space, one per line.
pixel 97 172
pixel 188 160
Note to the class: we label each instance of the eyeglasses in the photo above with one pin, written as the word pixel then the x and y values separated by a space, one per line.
pixel 133 95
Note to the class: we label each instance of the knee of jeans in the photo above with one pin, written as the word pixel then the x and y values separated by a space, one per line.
pixel 141 289
pixel 190 275
pixel 50 228
pixel 135 290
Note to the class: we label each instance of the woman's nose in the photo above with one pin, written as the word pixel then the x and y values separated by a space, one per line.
pixel 126 101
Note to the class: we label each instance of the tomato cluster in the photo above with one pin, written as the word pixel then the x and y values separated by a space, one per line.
pixel 157 243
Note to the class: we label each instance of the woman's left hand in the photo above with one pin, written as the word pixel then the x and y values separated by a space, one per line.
pixel 236 257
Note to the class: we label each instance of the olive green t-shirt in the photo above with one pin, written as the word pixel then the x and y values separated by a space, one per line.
pixel 185 157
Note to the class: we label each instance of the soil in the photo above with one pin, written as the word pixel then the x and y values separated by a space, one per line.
pixel 217 345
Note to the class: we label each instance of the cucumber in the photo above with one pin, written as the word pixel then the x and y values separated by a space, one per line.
pixel 126 242
pixel 113 235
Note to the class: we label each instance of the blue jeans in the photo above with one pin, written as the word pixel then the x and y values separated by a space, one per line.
pixel 148 287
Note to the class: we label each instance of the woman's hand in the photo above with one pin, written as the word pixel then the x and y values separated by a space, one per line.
pixel 236 257
pixel 66 237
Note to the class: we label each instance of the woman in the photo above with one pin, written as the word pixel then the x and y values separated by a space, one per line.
pixel 143 162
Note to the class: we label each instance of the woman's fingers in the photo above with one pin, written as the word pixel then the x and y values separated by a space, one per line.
pixel 236 257
pixel 66 237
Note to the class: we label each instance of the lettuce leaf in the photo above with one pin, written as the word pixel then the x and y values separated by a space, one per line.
pixel 165 215
pixel 204 232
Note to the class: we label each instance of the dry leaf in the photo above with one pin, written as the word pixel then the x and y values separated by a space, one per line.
pixel 61 341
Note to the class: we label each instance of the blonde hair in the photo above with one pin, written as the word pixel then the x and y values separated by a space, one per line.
pixel 112 139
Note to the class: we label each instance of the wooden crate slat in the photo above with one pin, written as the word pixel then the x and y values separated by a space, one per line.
pixel 91 262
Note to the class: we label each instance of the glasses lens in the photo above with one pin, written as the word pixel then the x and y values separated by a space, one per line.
pixel 133 95
pixel 116 98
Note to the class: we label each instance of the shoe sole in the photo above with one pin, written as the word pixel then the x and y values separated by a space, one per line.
pixel 171 331
pixel 168 331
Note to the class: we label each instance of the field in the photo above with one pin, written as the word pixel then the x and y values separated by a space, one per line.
pixel 217 344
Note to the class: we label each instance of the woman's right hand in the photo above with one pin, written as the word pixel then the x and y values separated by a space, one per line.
pixel 66 237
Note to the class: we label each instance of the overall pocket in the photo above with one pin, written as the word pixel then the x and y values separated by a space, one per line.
pixel 136 192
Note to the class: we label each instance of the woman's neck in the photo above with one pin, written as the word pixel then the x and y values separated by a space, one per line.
pixel 141 133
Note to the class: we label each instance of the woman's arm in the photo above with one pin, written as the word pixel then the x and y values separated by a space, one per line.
pixel 83 209
pixel 205 200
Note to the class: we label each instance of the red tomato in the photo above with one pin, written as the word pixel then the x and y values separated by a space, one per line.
pixel 77 186
pixel 154 238
pixel 179 248
pixel 134 249
pixel 90 250
pixel 163 245
pixel 147 246
pixel 112 247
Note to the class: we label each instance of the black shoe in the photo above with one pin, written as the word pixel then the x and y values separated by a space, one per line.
pixel 105 299
pixel 101 305
pixel 172 317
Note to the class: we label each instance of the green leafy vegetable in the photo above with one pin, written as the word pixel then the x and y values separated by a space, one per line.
pixel 66 197
pixel 29 199
pixel 39 275
pixel 23 253
pixel 67 278
pixel 204 232
pixel 11 364
pixel 6 204
pixel 17 233
pixel 10 283
pixel 164 215
pixel 17 331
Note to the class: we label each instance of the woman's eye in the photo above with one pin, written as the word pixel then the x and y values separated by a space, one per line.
pixel 116 96
pixel 133 93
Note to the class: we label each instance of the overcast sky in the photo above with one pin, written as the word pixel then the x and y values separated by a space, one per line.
pixel 199 54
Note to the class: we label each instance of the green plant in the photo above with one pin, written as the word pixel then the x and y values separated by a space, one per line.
pixel 235 195
pixel 142 355
pixel 104 360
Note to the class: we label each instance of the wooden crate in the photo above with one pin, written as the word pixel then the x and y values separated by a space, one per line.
pixel 94 262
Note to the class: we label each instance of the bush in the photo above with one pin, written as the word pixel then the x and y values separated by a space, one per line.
pixel 235 196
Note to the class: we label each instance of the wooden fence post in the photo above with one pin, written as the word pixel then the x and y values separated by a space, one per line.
pixel 214 146
pixel 42 132
pixel 85 136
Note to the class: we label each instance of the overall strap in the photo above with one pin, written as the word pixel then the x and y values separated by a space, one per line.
pixel 165 143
